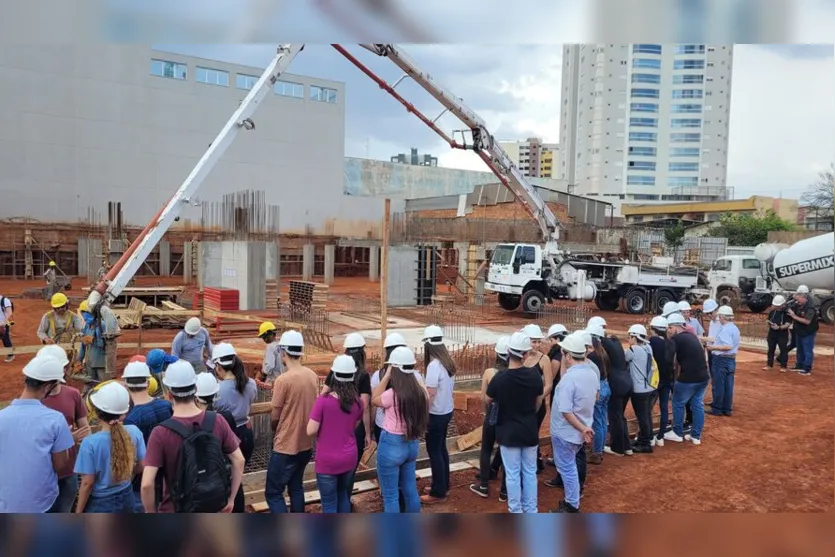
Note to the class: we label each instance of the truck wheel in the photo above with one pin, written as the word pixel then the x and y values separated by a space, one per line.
pixel 509 302
pixel 728 297
pixel 760 304
pixel 635 301
pixel 828 311
pixel 606 301
pixel 662 296
pixel 532 301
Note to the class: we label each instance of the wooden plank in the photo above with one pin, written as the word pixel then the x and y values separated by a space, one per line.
pixel 470 439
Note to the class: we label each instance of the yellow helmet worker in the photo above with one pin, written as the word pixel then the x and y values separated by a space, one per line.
pixel 82 307
pixel 59 300
pixel 265 328
pixel 52 264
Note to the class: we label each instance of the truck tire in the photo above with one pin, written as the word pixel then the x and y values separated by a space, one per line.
pixel 509 302
pixel 662 296
pixel 728 297
pixel 532 301
pixel 759 304
pixel 828 311
pixel 606 301
pixel 635 301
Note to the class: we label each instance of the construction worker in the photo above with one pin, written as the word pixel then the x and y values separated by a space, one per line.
pixel 193 345
pixel 98 345
pixel 51 277
pixel 272 366
pixel 6 322
pixel 105 267
pixel 60 324
pixel 158 361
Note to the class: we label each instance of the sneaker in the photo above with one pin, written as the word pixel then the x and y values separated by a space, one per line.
pixel 673 436
pixel 642 449
pixel 595 458
pixel 766 368
pixel 804 372
pixel 783 370
pixel 502 497
pixel 693 440
pixel 629 452
pixel 566 508
pixel 657 441
pixel 608 450
pixel 9 359
pixel 556 482
pixel 797 369
pixel 431 500
pixel 480 490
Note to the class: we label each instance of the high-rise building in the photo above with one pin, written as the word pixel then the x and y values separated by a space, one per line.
pixel 646 122
pixel 533 157
pixel 414 158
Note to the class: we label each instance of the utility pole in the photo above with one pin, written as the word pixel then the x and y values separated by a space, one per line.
pixel 384 269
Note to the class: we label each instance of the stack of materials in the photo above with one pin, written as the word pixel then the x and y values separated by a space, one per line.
pixel 217 298
pixel 272 294
pixel 308 295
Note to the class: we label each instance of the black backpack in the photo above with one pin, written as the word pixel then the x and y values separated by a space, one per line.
pixel 203 481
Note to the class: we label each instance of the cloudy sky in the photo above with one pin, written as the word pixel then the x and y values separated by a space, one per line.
pixel 782 108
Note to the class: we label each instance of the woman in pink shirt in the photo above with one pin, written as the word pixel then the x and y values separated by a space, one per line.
pixel 334 418
pixel 405 404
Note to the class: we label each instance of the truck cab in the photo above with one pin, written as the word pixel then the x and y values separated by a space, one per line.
pixel 516 269
pixel 733 278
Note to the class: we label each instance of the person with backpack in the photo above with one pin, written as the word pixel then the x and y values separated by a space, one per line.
pixel 644 374
pixel 804 314
pixel 6 322
pixel 193 451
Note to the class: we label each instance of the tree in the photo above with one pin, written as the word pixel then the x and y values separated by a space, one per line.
pixel 674 236
pixel 748 230
pixel 820 197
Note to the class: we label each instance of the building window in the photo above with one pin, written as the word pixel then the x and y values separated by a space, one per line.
pixel 690 49
pixel 643 136
pixel 685 123
pixel 646 78
pixel 684 167
pixel 640 180
pixel 644 93
pixel 688 79
pixel 246 82
pixel 322 94
pixel 643 122
pixel 646 49
pixel 674 181
pixel 642 151
pixel 685 137
pixel 646 63
pixel 688 64
pixel 686 109
pixel 642 165
pixel 171 70
pixel 211 77
pixel 643 107
pixel 684 152
pixel 289 89
pixel 687 93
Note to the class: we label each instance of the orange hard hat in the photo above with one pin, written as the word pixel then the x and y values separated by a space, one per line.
pixel 137 358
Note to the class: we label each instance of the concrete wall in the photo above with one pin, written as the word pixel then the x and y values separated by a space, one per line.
pixel 402 276
pixel 244 269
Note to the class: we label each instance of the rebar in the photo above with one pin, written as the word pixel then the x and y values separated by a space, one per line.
pixel 243 215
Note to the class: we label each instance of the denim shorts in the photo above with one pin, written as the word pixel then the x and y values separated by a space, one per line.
pixel 121 502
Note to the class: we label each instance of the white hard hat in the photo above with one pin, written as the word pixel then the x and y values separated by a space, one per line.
pixel 675 319
pixel 54 351
pixel 555 330
pixel 179 375
pixel 291 339
pixel 533 331
pixel 344 368
pixel 136 369
pixel 637 330
pixel 595 330
pixel 111 398
pixel 596 320
pixel 802 289
pixel 573 343
pixel 658 322
pixel 709 306
pixel 223 352
pixel 519 343
pixel 433 335
pixel 502 344
pixel 192 326
pixel 353 340
pixel 45 368
pixel 394 339
pixel 586 338
pixel 778 301
pixel 207 384
pixel 669 309
pixel 684 306
pixel 403 357
pixel 725 311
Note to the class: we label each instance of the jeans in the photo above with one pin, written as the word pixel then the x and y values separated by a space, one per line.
pixel 286 472
pixel 805 351
pixel 580 461
pixel 619 431
pixel 438 454
pixel 778 339
pixel 601 423
pixel 6 337
pixel 724 370
pixel 712 378
pixel 520 472
pixel 396 460
pixel 335 491
pixel 67 490
pixel 693 394
pixel 565 457
pixel 121 502
pixel 359 437
pixel 247 447
pixel 488 441
pixel 642 406
pixel 665 390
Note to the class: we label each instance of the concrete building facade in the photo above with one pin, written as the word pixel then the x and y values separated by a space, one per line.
pixel 414 158
pixel 697 213
pixel 646 122
pixel 533 157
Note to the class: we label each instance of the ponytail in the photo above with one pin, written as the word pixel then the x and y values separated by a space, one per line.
pixel 122 450
pixel 236 367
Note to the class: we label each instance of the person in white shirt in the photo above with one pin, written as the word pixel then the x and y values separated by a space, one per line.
pixel 6 320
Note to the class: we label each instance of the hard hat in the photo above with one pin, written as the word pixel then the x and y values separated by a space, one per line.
pixel 595 330
pixel 206 384
pixel 555 330
pixel 684 306
pixel 52 264
pixel 344 368
pixel 403 358
pixel 157 358
pixel 802 289
pixel 137 358
pixel 725 311
pixel 669 309
pixel 501 345
pixel 292 339
pixel 84 306
pixel 153 386
pixel 586 337
pixel 59 300
pixel 353 340
pixel 136 369
pixel 533 331
pixel 223 353
pixel 394 339
pixel 596 320
pixel 192 326
pixel 709 306
pixel 519 344
pixel 54 351
pixel 659 323
pixel 111 398
pixel 266 327
pixel 573 343
pixel 675 319
pixel 180 374
pixel 778 301
pixel 637 330
pixel 433 335
pixel 45 368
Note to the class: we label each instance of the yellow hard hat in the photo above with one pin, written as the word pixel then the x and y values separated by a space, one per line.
pixel 59 300
pixel 266 327
pixel 83 306
pixel 52 264
pixel 153 386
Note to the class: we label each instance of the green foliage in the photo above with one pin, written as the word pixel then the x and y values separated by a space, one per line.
pixel 748 230
pixel 674 236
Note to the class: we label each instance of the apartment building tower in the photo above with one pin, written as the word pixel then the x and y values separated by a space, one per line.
pixel 533 157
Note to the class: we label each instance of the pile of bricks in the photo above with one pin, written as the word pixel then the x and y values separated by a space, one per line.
pixel 304 294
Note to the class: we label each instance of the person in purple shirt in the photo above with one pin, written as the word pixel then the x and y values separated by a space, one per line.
pixel 35 442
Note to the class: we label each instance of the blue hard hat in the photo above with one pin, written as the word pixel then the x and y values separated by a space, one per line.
pixel 157 359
